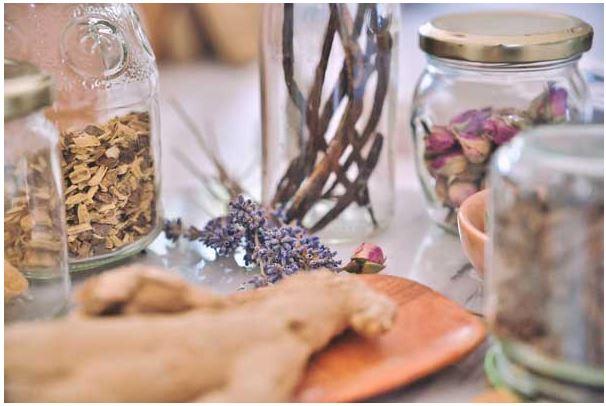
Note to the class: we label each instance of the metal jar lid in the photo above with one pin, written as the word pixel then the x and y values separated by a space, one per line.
pixel 26 89
pixel 506 36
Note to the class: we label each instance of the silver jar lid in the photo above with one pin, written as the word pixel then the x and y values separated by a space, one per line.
pixel 506 36
pixel 26 89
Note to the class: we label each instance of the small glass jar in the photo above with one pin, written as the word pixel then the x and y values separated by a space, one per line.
pixel 328 115
pixel 107 111
pixel 36 280
pixel 488 76
pixel 545 262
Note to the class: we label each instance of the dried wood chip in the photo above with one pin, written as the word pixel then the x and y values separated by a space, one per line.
pixel 109 181
pixel 33 227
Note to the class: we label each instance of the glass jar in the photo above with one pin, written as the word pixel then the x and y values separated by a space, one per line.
pixel 36 280
pixel 328 81
pixel 545 258
pixel 107 111
pixel 488 76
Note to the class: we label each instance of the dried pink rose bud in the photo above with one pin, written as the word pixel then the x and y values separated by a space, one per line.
pixel 459 191
pixel 551 106
pixel 439 140
pixel 500 129
pixel 470 121
pixel 476 148
pixel 449 164
pixel 367 258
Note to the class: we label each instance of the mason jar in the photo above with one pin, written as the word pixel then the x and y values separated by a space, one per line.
pixel 545 263
pixel 107 111
pixel 328 82
pixel 488 76
pixel 36 279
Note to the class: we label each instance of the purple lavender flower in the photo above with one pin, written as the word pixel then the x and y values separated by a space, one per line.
pixel 279 250
pixel 223 235
pixel 246 213
pixel 439 140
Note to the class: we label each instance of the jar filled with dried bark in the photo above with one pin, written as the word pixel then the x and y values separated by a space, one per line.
pixel 329 86
pixel 107 112
pixel 36 279
pixel 546 262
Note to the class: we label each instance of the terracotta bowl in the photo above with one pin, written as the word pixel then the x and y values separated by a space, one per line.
pixel 471 217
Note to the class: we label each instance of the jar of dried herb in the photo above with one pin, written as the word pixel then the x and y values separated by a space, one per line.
pixel 545 263
pixel 107 112
pixel 328 78
pixel 488 76
pixel 36 280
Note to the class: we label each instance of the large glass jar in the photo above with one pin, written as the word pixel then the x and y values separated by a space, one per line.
pixel 36 280
pixel 328 79
pixel 106 108
pixel 488 76
pixel 545 262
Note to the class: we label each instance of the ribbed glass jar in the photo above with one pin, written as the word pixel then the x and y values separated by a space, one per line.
pixel 107 111
pixel 328 81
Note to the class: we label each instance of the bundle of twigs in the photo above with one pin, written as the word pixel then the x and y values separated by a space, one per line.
pixel 306 180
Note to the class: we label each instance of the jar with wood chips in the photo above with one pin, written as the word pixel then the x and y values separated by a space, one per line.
pixel 545 263
pixel 36 279
pixel 488 76
pixel 107 111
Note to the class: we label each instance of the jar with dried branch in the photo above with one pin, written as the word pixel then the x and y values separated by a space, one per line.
pixel 106 108
pixel 328 81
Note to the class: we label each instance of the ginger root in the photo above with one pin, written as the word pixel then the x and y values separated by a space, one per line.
pixel 142 335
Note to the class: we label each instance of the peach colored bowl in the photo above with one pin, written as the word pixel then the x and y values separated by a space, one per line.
pixel 470 217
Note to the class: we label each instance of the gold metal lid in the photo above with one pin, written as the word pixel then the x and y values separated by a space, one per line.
pixel 26 89
pixel 505 36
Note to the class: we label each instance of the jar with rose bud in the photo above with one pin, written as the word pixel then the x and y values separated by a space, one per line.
pixel 488 76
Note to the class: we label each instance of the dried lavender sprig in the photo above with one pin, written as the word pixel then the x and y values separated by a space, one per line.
pixel 277 249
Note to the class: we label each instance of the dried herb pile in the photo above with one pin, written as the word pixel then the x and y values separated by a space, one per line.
pixel 456 154
pixel 110 191
pixel 325 164
pixel 278 250
pixel 33 229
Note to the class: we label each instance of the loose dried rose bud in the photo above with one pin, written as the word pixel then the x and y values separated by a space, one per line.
pixel 439 140
pixel 367 258
pixel 499 129
pixel 551 106
pixel 449 164
pixel 470 121
pixel 476 148
pixel 459 191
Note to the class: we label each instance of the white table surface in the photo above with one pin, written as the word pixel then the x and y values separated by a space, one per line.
pixel 227 99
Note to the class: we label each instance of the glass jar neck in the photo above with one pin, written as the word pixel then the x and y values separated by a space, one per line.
pixel 454 64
